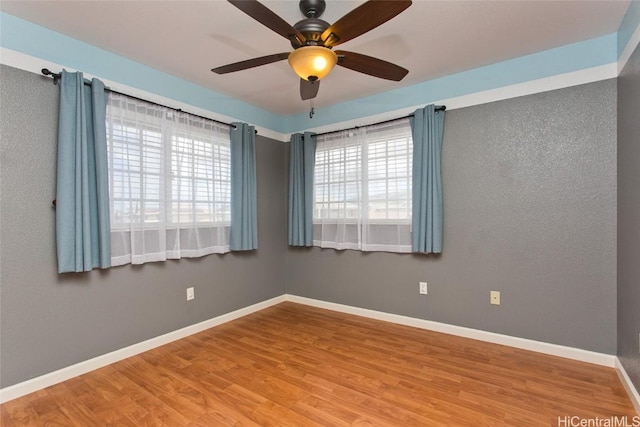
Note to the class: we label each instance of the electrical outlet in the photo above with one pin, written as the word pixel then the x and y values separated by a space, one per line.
pixel 423 288
pixel 190 294
pixel 495 297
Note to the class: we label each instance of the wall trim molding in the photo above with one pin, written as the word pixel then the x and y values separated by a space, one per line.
pixel 628 50
pixel 532 87
pixel 477 334
pixel 46 380
pixel 628 385
pixel 33 64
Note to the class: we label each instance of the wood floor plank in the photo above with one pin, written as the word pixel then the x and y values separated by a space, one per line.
pixel 302 366
pixel 18 413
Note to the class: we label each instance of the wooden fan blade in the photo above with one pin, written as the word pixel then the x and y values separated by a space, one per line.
pixel 370 65
pixel 363 18
pixel 309 90
pixel 269 19
pixel 250 63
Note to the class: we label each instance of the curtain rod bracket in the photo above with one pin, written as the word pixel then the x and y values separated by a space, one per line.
pixel 55 76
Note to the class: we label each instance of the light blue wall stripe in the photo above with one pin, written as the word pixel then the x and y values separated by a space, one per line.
pixel 573 57
pixel 37 41
pixel 628 26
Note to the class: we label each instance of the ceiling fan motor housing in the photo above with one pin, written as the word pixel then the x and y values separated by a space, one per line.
pixel 312 29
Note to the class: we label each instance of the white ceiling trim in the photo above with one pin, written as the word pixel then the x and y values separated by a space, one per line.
pixel 634 41
pixel 560 81
pixel 32 64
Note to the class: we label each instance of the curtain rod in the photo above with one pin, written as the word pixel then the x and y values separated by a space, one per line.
pixel 57 77
pixel 438 108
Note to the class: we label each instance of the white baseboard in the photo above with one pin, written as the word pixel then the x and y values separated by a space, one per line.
pixel 476 334
pixel 38 383
pixel 628 385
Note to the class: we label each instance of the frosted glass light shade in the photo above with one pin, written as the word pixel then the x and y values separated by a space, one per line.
pixel 312 61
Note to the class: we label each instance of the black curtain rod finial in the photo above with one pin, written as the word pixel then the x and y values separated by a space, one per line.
pixel 48 72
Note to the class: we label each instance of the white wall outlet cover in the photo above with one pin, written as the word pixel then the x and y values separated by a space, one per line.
pixel 190 294
pixel 495 297
pixel 423 288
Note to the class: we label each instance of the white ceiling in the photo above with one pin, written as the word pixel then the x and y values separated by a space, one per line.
pixel 431 39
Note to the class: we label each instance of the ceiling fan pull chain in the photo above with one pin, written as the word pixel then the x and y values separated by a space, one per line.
pixel 313 110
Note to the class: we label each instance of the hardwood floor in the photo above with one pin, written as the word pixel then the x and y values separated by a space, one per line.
pixel 294 365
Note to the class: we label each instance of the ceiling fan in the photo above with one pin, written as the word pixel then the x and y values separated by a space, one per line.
pixel 313 40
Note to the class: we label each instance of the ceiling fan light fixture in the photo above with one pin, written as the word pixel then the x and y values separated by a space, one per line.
pixel 312 61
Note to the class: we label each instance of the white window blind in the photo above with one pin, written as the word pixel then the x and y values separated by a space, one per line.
pixel 362 188
pixel 169 183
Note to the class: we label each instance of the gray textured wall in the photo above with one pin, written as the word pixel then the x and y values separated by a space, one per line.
pixel 629 217
pixel 49 321
pixel 530 210
pixel 530 205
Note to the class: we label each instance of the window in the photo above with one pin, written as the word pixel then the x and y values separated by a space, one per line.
pixel 169 183
pixel 337 178
pixel 362 188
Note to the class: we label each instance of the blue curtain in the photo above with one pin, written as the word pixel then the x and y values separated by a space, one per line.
pixel 244 211
pixel 427 126
pixel 301 164
pixel 82 189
